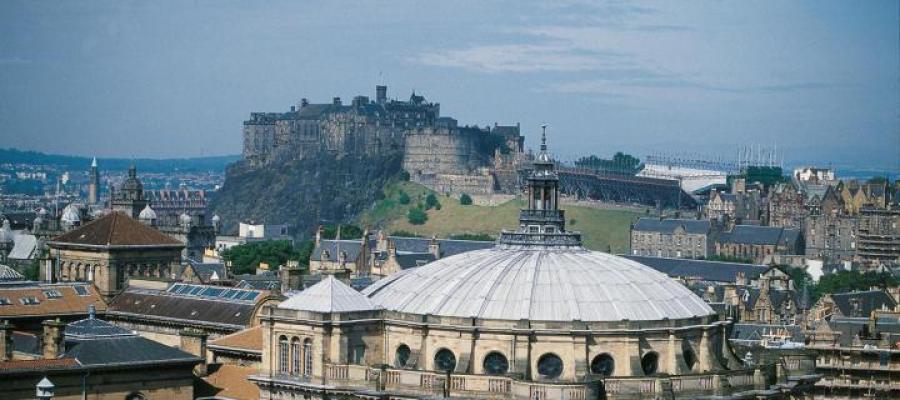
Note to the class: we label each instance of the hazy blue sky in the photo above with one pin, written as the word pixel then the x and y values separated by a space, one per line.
pixel 164 79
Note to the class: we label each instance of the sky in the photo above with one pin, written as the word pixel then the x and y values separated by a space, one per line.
pixel 818 79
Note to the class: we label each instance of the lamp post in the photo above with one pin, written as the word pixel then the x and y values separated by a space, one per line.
pixel 44 389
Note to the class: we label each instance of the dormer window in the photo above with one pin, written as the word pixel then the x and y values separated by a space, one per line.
pixel 549 229
pixel 534 229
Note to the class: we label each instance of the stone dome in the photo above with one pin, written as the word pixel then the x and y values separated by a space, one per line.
pixel 538 284
pixel 147 213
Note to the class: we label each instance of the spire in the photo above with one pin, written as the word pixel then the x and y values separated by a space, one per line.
pixel 543 138
pixel 132 170
pixel 94 163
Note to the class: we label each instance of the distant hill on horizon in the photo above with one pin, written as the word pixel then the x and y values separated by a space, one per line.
pixel 193 164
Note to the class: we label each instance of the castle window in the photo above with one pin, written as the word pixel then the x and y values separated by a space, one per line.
pixel 283 355
pixel 308 358
pixel 444 360
pixel 650 363
pixel 495 363
pixel 550 366
pixel 603 365
pixel 401 356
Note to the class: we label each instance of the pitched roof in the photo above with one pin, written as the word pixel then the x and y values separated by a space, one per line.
pixel 717 271
pixel 161 305
pixel 249 339
pixel 866 301
pixel 115 350
pixel 328 296
pixel 229 382
pixel 51 299
pixel 24 247
pixel 760 235
pixel 41 364
pixel 115 229
pixel 693 226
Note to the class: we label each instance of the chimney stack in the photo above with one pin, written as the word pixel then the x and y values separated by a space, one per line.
pixel 6 342
pixel 194 342
pixel 52 341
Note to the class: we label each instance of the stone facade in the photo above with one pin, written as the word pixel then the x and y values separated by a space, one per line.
pixel 673 238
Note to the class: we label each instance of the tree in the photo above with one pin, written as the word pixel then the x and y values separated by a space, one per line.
pixel 348 231
pixel 246 257
pixel 846 281
pixel 465 200
pixel 417 216
pixel 431 201
pixel 404 176
pixel 800 277
pixel 402 233
pixel 404 198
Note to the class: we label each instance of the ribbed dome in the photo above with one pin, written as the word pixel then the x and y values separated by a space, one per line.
pixel 538 285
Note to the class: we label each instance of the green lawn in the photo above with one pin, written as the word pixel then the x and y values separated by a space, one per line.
pixel 600 229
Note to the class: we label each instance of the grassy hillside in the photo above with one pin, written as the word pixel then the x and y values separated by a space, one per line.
pixel 600 229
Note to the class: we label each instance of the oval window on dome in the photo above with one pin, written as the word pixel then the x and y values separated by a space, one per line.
pixel 650 363
pixel 603 364
pixel 550 366
pixel 444 360
pixel 401 357
pixel 495 363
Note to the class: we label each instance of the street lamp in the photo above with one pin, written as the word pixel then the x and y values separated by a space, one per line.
pixel 45 389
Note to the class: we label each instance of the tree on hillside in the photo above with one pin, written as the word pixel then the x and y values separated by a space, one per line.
pixel 403 198
pixel 348 231
pixel 846 281
pixel 465 200
pixel 417 216
pixel 431 201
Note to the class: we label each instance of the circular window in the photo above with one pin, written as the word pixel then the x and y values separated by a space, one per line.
pixel 401 357
pixel 603 365
pixel 650 363
pixel 550 366
pixel 444 360
pixel 495 364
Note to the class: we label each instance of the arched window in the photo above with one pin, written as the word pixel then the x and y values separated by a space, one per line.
pixel 687 352
pixel 295 356
pixel 550 366
pixel 283 355
pixel 650 363
pixel 307 358
pixel 603 365
pixel 401 356
pixel 495 363
pixel 444 360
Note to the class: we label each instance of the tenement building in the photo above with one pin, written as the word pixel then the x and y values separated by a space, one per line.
pixel 535 317
pixel 673 238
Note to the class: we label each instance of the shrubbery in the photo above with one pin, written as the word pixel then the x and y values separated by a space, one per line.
pixel 417 216
pixel 465 200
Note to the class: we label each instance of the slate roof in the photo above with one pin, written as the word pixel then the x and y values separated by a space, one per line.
pixel 227 381
pixel 717 271
pixel 205 271
pixel 335 247
pixel 264 281
pixel 330 295
pixel 116 229
pixel 94 328
pixel 868 301
pixel 27 343
pixel 118 350
pixel 449 247
pixel 853 326
pixel 692 226
pixel 759 235
pixel 155 304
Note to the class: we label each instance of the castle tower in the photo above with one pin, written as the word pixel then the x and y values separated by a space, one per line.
pixel 94 183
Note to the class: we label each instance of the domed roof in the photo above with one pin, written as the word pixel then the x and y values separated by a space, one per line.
pixel 509 283
pixel 70 214
pixel 147 213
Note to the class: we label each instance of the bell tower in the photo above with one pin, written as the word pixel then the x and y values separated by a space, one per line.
pixel 542 222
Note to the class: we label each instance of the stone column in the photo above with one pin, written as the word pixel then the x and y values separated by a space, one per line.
pixel 672 354
pixel 6 343
pixel 705 355
pixel 52 340
pixel 194 342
